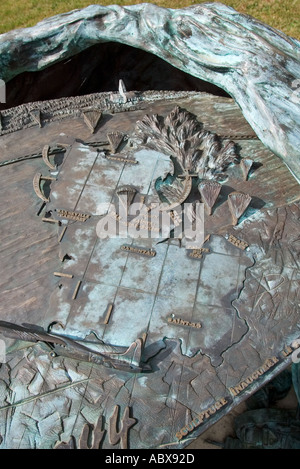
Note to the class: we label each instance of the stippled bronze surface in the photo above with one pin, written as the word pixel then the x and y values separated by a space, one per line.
pixel 208 326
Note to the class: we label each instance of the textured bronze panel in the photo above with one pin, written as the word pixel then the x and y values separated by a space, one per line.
pixel 137 341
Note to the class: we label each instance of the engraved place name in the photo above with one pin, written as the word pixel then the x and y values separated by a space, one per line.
pixel 138 250
pixel 183 322
pixel 197 253
pixel 269 363
pixel 237 242
pixel 201 418
pixel 291 349
pixel 121 159
pixel 236 390
pixel 73 215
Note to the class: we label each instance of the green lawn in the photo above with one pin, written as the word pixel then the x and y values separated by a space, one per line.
pixel 281 14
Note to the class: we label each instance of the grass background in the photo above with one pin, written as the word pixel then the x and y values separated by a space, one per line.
pixel 281 14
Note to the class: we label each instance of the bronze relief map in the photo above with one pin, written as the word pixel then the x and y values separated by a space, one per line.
pixel 150 269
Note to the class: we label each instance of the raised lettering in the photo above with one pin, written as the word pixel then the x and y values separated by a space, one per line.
pixel 239 388
pixel 223 401
pixel 287 351
pixel 212 410
pixel 218 405
pixel 183 322
pixel 233 391
pixel 196 421
pixel 199 419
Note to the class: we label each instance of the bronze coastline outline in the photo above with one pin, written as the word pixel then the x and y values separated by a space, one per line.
pixel 234 391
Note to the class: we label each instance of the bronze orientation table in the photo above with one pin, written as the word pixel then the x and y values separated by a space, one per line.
pixel 138 338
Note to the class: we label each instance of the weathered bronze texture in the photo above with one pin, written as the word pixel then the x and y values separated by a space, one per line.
pixel 207 41
pixel 238 202
pixel 246 165
pixel 115 140
pixel 209 191
pixel 207 326
pixel 92 118
pixel 128 360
